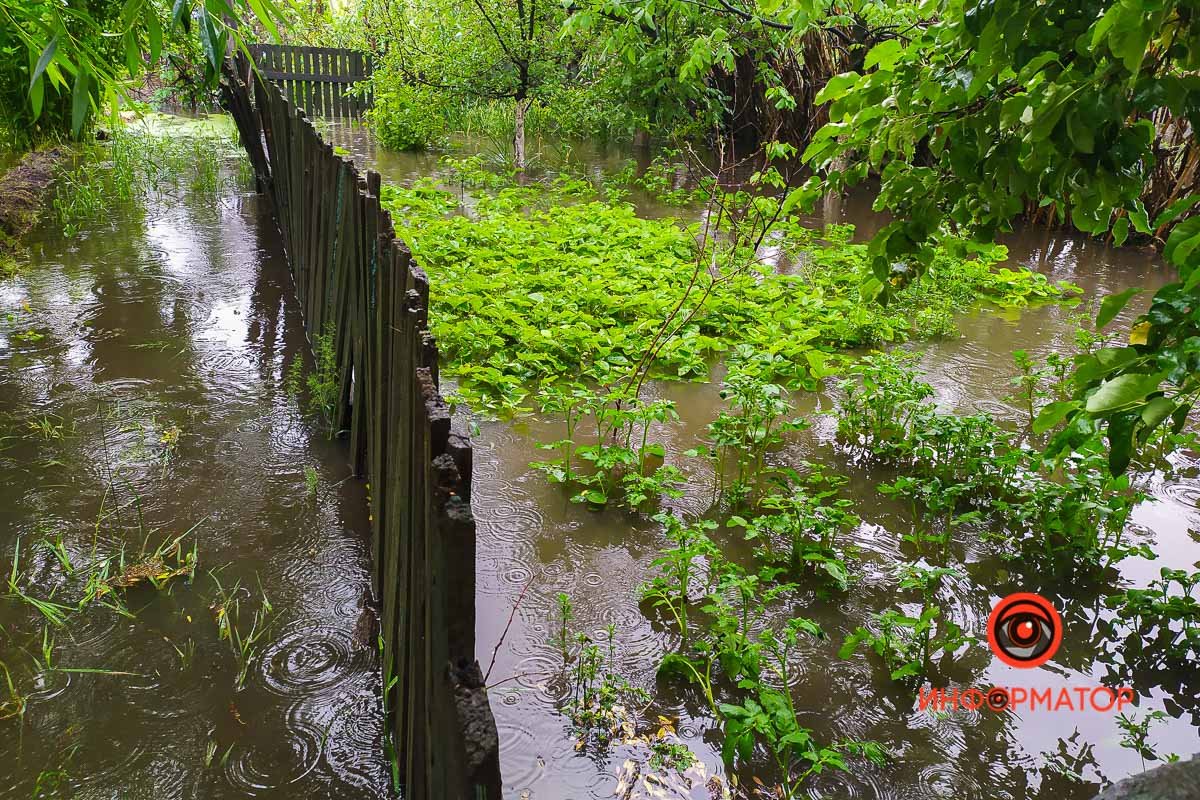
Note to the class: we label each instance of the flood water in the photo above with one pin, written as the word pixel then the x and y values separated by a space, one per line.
pixel 531 536
pixel 141 397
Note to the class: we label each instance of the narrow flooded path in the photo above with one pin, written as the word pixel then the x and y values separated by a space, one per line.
pixel 534 544
pixel 143 397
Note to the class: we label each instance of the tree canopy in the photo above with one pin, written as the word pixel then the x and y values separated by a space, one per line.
pixel 1006 105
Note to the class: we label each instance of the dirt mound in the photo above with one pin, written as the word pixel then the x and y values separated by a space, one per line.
pixel 23 189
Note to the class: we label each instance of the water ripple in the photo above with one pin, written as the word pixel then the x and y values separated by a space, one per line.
pixel 273 762
pixel 355 744
pixel 310 658
pixel 522 764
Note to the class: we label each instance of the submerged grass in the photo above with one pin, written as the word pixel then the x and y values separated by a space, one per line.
pixel 97 580
pixel 316 391
pixel 244 632
pixel 140 160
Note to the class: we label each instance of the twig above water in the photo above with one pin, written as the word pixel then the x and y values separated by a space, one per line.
pixel 511 615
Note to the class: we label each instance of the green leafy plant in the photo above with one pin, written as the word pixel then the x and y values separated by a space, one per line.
pixel 909 644
pixel 14 702
pixel 754 425
pixel 406 117
pixel 671 589
pixel 169 440
pixel 770 717
pixel 317 389
pixel 963 470
pixel 670 756
pixel 601 702
pixel 620 463
pixel 565 615
pixel 877 408
pixel 1158 626
pixel 1135 735
pixel 803 530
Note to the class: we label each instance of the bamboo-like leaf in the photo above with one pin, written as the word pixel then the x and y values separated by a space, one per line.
pixel 80 101
pixel 43 61
pixel 154 34
pixel 262 12
pixel 36 96
pixel 181 14
pixel 209 39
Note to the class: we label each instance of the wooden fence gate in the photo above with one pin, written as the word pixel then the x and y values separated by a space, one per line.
pixel 358 286
pixel 315 79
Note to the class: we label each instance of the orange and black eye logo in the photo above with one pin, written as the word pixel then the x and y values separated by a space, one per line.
pixel 1024 630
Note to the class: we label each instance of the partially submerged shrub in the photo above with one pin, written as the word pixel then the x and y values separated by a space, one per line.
pixel 405 118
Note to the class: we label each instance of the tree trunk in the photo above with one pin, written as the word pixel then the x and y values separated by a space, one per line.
pixel 519 134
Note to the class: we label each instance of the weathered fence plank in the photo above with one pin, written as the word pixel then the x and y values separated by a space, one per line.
pixel 358 286
pixel 315 79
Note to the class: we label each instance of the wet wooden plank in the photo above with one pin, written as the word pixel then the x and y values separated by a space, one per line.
pixel 307 74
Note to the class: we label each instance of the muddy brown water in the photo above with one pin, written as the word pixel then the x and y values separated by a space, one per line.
pixel 531 535
pixel 176 314
pixel 180 315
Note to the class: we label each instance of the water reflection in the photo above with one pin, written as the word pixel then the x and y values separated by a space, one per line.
pixel 181 319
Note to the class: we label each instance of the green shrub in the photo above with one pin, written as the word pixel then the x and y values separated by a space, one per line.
pixel 582 112
pixel 406 118
pixel 18 127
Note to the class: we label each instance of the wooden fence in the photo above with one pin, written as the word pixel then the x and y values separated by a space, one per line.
pixel 358 284
pixel 315 79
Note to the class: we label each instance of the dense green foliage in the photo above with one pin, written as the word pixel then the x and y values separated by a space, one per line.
pixel 62 62
pixel 971 116
pixel 27 114
pixel 539 283
pixel 1003 106
pixel 750 70
pixel 454 64
pixel 664 68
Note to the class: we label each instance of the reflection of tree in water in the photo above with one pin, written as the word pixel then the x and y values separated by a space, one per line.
pixel 1069 771
pixel 136 305
pixel 272 304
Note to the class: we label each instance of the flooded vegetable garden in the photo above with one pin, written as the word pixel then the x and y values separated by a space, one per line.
pixel 537 546
pixel 188 557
